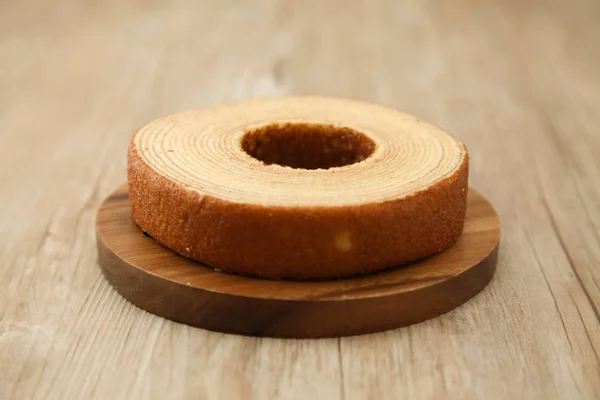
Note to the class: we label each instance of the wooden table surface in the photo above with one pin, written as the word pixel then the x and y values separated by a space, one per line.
pixel 517 81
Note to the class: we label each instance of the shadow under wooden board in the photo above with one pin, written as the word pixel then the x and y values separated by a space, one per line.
pixel 172 286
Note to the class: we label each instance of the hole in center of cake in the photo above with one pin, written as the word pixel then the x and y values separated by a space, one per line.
pixel 307 146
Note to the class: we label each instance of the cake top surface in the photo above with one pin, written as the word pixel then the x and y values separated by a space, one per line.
pixel 300 151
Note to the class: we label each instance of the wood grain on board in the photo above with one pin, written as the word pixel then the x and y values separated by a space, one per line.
pixel 158 280
pixel 517 81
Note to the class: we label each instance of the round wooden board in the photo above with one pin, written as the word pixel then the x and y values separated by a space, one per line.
pixel 172 286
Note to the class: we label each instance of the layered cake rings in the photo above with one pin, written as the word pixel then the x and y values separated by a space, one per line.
pixel 298 187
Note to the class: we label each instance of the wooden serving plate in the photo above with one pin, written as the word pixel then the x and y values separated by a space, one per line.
pixel 172 286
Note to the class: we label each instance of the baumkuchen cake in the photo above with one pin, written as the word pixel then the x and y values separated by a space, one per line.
pixel 298 187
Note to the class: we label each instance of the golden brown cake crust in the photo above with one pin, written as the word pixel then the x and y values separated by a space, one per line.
pixel 311 242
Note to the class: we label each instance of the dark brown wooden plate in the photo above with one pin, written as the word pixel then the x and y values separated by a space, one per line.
pixel 172 286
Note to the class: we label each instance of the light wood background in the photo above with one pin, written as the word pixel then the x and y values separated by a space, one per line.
pixel 517 81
